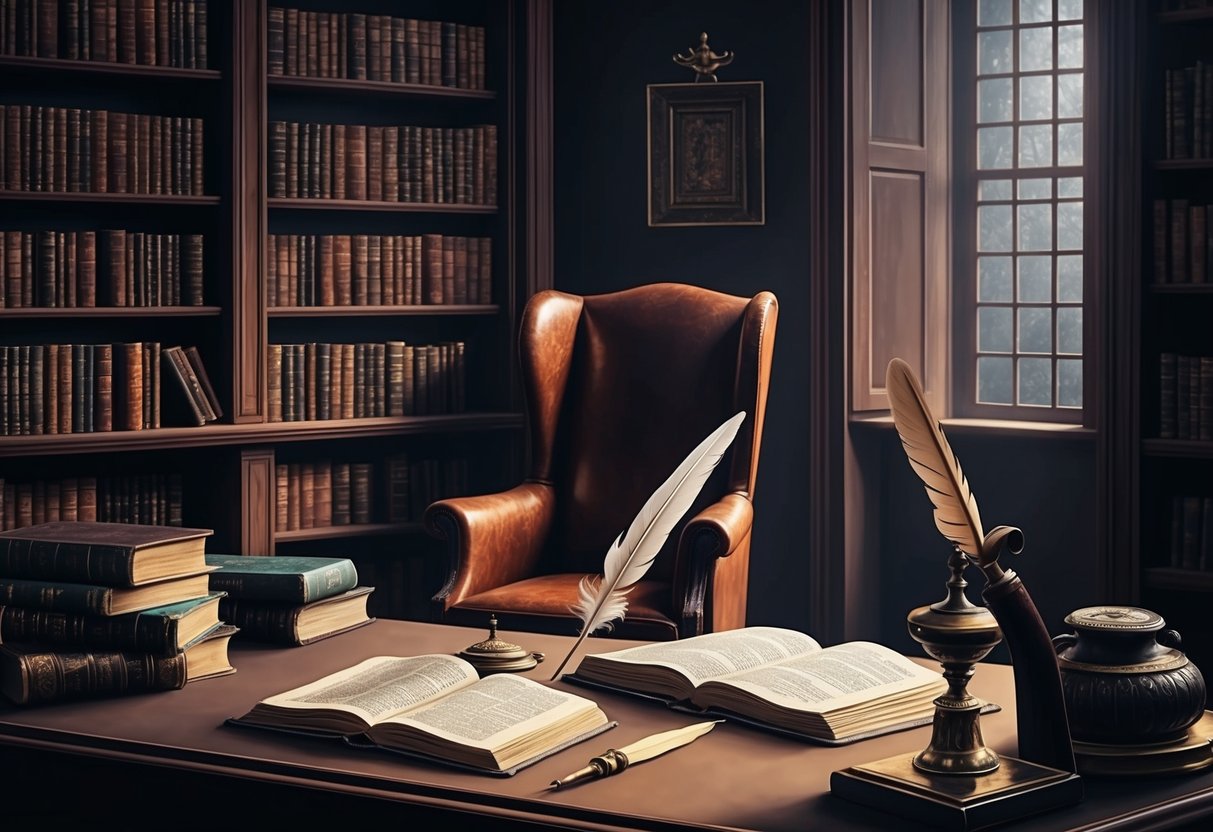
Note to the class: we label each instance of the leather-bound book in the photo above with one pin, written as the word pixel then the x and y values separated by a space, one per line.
pixel 280 622
pixel 282 492
pixel 86 503
pixel 128 367
pixel 300 391
pixel 287 353
pixel 343 270
pixel 294 496
pixel 431 277
pixel 486 270
pixel 323 505
pixel 99 599
pixel 104 385
pixel 374 271
pixel 326 286
pixel 490 164
pixel 412 51
pixel 117 153
pixel 309 384
pixel 341 494
pixel 34 675
pixel 356 161
pixel 323 380
pixel 459 268
pixel 274 383
pixel 358 393
pixel 34 408
pixel 193 267
pixel 114 252
pixel 390 164
pixel 408 382
pixel 374 163
pixel 357 46
pixel 460 154
pixel 421 380
pixel 185 404
pixel 361 269
pixel 339 161
pixel 307 495
pixel 196 157
pixel 86 264
pixel 201 27
pixel 194 359
pixel 360 492
pixel 277 160
pixel 387 270
pixel 275 41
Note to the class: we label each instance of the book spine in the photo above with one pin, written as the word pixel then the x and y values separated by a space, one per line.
pixel 258 621
pixel 56 677
pixel 295 587
pixel 55 596
pixel 73 562
pixel 143 633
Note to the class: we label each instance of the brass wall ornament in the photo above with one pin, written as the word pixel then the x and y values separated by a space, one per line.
pixel 702 60
pixel 956 781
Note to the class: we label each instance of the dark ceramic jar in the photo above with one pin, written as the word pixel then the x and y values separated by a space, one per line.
pixel 1125 679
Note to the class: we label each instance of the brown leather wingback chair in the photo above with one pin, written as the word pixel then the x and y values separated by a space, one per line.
pixel 619 388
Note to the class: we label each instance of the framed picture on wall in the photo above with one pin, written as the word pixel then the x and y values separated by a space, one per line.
pixel 705 161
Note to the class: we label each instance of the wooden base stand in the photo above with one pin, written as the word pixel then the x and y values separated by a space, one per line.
pixel 960 802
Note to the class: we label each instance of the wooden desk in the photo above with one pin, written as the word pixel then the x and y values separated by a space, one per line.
pixel 168 759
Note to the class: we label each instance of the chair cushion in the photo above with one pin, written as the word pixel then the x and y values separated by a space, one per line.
pixel 541 604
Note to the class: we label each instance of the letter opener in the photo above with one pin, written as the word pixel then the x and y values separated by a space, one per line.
pixel 616 760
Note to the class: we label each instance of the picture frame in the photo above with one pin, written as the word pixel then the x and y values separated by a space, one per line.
pixel 705 154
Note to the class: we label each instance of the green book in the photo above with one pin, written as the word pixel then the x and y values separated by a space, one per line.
pixel 160 631
pixel 57 596
pixel 297 579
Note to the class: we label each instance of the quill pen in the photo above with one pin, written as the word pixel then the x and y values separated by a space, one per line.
pixel 603 600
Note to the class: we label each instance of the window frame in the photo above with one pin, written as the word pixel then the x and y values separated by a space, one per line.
pixel 966 178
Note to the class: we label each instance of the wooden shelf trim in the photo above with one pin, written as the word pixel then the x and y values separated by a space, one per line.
pixel 123 199
pixel 1171 578
pixel 380 311
pixel 320 204
pixel 1178 448
pixel 353 530
pixel 252 433
pixel 108 68
pixel 112 312
pixel 305 83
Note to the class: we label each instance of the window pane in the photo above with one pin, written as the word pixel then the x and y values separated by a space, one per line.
pixel 1035 329
pixel 1069 382
pixel 1069 330
pixel 1036 381
pixel 1036 97
pixel 1069 144
pixel 1036 146
pixel 994 380
pixel 1035 188
pixel 1035 227
pixel 1069 278
pixel 994 52
pixel 1035 278
pixel 992 189
pixel 1035 11
pixel 994 100
pixel 1069 225
pixel 994 13
pixel 994 228
pixel 1069 95
pixel 1069 47
pixel 994 279
pixel 1036 49
pixel 1069 9
pixel 1069 186
pixel 994 147
pixel 994 329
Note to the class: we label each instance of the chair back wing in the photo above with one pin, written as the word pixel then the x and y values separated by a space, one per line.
pixel 649 373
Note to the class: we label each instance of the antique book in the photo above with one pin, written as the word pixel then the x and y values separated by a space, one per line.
pixel 282 622
pixel 96 599
pixel 186 404
pixel 112 554
pixel 34 675
pixel 194 359
pixel 161 631
pixel 282 578
pixel 778 679
pixel 434 707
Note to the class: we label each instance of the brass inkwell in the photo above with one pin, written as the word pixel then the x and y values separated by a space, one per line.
pixel 495 655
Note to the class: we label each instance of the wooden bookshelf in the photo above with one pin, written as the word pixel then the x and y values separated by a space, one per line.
pixel 226 465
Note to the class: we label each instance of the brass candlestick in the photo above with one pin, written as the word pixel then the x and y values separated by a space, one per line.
pixel 958 634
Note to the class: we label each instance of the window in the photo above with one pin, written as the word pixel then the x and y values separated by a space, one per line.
pixel 1018 266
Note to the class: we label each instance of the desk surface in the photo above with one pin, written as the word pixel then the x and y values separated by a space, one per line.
pixel 734 778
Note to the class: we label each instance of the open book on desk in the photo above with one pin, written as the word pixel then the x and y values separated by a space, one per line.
pixel 434 707
pixel 777 679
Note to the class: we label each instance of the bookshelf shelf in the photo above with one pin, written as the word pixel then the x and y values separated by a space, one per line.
pixel 1183 164
pixel 341 532
pixel 381 89
pixel 1177 448
pixel 1181 288
pixel 380 311
pixel 303 204
pixel 113 312
pixel 1182 580
pixel 87 197
pixel 252 433
pixel 107 69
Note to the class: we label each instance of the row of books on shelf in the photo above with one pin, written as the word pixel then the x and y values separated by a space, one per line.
pixel 324 493
pixel 94 388
pixel 1183 242
pixel 65 149
pixel 355 381
pixel 1188 130
pixel 147 32
pixel 153 499
pixel 101 609
pixel 406 163
pixel 1185 387
pixel 375 47
pixel 374 269
pixel 134 268
pixel 1191 538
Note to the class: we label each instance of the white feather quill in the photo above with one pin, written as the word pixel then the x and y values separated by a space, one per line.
pixel 601 601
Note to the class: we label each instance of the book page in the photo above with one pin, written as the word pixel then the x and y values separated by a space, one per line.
pixel 714 655
pixel 835 678
pixel 381 686
pixel 489 714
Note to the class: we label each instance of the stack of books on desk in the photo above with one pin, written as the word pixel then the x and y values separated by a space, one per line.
pixel 91 609
pixel 289 600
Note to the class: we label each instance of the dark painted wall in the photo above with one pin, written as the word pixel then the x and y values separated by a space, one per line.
pixel 605 54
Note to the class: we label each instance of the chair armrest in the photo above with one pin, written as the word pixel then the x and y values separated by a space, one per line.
pixel 712 535
pixel 491 539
